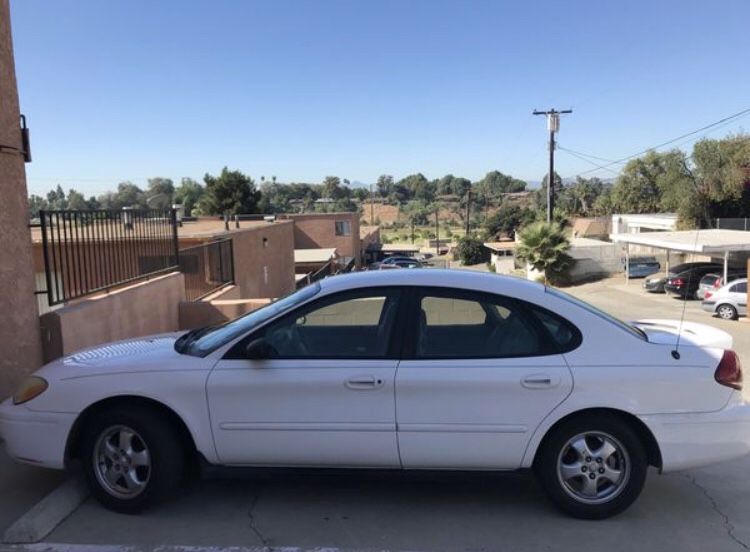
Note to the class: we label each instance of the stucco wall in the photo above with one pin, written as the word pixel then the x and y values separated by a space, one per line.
pixel 313 231
pixel 20 347
pixel 145 308
pixel 263 258
pixel 197 314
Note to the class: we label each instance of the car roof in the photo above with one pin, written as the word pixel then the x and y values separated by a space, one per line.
pixel 436 277
pixel 726 287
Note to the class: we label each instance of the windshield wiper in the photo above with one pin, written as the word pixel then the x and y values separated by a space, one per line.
pixel 187 338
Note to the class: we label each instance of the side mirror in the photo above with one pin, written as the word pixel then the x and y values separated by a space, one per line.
pixel 258 349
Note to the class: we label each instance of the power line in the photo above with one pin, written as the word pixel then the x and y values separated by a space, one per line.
pixel 730 118
pixel 585 154
pixel 575 154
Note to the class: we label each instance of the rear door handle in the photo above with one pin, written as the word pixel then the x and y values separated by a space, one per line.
pixel 539 381
pixel 364 383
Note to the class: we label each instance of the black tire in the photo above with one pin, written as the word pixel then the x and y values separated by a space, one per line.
pixel 726 311
pixel 634 463
pixel 151 432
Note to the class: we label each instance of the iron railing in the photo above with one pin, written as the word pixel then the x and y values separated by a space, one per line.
pixel 733 224
pixel 86 252
pixel 207 268
pixel 328 269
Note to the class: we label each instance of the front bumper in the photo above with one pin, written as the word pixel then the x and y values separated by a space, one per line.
pixel 694 440
pixel 37 438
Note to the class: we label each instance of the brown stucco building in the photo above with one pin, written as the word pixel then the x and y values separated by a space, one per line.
pixel 20 345
pixel 329 230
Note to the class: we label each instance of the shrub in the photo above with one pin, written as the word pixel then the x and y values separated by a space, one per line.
pixel 470 250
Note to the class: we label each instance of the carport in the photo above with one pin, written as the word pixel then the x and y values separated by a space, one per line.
pixel 713 243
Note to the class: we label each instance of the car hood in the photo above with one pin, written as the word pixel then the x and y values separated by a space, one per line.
pixel 665 332
pixel 153 349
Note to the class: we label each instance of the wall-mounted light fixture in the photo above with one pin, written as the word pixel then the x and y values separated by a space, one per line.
pixel 25 149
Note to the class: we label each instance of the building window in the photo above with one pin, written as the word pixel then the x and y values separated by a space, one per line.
pixel 343 228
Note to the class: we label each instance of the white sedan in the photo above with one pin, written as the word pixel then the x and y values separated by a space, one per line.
pixel 402 369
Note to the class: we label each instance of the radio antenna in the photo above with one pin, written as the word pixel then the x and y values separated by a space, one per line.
pixel 676 351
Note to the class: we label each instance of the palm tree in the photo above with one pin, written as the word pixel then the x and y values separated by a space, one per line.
pixel 544 247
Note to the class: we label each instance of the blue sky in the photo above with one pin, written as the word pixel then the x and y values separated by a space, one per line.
pixel 128 89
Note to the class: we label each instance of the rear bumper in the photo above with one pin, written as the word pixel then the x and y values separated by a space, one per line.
pixel 37 438
pixel 709 306
pixel 693 440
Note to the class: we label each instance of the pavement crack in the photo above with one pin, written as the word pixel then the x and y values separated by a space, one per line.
pixel 727 524
pixel 253 527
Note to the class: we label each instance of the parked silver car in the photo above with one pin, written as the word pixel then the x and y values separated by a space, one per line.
pixel 728 302
pixel 713 281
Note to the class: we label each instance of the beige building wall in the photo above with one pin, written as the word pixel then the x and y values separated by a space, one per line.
pixel 145 308
pixel 318 230
pixel 20 346
pixel 263 258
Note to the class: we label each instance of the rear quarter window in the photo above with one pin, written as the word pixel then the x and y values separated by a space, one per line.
pixel 565 336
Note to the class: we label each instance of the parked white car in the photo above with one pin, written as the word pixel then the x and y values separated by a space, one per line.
pixel 728 302
pixel 402 369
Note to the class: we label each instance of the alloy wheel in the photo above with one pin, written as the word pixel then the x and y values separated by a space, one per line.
pixel 593 467
pixel 726 312
pixel 122 462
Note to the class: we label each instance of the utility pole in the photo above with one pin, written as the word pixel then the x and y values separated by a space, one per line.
pixel 553 125
pixel 372 207
pixel 468 211
pixel 437 235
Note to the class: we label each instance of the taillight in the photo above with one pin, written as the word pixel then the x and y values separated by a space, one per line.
pixel 717 283
pixel 707 294
pixel 677 281
pixel 729 371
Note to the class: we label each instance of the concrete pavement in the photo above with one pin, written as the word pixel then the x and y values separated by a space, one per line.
pixel 21 487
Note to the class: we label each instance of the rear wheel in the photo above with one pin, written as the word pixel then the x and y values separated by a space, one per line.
pixel 592 467
pixel 726 311
pixel 132 458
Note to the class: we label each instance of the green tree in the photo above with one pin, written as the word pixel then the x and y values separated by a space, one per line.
pixel 160 192
pixel 188 194
pixel 540 195
pixel 385 185
pixel 579 197
pixel 471 251
pixel 637 189
pixel 507 220
pixel 127 195
pixel 231 192
pixel 414 186
pixel 36 204
pixel 544 246
pixel 56 199
pixel 495 183
pixel 333 189
pixel 76 201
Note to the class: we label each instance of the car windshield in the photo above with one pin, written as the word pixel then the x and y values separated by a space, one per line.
pixel 633 330
pixel 204 341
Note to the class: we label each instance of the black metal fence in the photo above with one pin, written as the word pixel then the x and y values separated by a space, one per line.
pixel 91 251
pixel 207 268
pixel 328 269
pixel 733 223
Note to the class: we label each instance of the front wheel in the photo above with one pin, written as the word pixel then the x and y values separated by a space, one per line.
pixel 592 468
pixel 132 458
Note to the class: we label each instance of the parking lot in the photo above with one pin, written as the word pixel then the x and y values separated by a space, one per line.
pixel 705 509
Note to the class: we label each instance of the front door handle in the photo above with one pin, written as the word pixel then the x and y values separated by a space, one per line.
pixel 364 383
pixel 539 381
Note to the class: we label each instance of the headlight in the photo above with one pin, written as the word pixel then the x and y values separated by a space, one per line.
pixel 31 388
